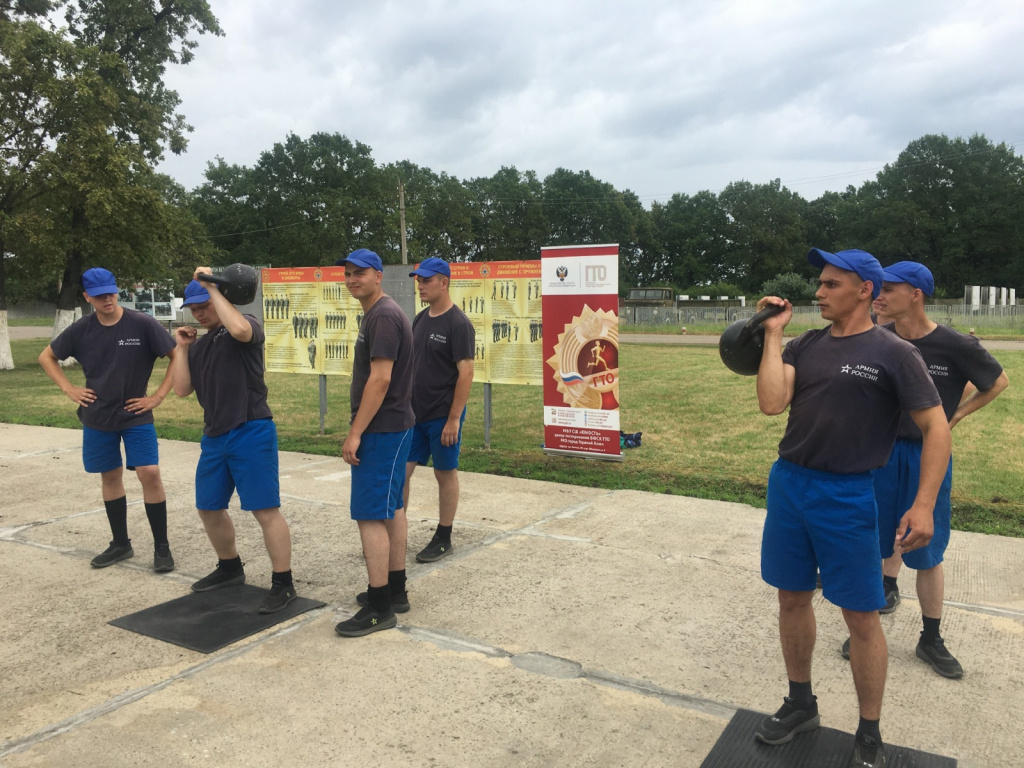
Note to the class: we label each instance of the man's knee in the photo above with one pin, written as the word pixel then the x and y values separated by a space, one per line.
pixel 794 601
pixel 149 476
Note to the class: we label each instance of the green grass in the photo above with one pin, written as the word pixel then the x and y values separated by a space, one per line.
pixel 34 322
pixel 703 435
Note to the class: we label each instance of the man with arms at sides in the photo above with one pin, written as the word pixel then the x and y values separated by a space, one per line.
pixel 239 446
pixel 377 445
pixel 845 386
pixel 443 347
pixel 957 363
pixel 117 348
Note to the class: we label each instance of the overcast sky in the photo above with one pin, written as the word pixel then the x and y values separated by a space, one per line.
pixel 654 96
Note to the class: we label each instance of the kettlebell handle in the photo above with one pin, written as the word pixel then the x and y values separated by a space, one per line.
pixel 770 311
pixel 206 277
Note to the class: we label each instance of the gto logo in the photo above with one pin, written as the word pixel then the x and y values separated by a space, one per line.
pixel 596 273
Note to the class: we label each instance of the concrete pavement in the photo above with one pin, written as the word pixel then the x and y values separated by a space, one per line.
pixel 571 626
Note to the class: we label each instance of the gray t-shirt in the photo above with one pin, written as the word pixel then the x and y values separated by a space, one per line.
pixel 953 359
pixel 227 375
pixel 117 361
pixel 850 391
pixel 385 333
pixel 439 343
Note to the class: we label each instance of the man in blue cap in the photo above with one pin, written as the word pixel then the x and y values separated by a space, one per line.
pixel 444 343
pixel 239 446
pixel 954 359
pixel 117 348
pixel 845 387
pixel 377 444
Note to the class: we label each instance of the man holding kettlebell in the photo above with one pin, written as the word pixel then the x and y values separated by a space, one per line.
pixel 239 446
pixel 845 387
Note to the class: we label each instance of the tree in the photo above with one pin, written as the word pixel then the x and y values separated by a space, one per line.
pixel 954 205
pixel 789 286
pixel 507 215
pixel 693 240
pixel 767 233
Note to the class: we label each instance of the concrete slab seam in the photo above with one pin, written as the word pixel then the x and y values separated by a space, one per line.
pixel 560 668
pixel 129 697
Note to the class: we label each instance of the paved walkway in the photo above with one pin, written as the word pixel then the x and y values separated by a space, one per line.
pixel 571 626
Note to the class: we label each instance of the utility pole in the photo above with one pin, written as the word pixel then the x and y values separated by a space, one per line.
pixel 401 220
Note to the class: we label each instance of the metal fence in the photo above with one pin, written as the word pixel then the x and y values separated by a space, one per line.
pixel 1000 319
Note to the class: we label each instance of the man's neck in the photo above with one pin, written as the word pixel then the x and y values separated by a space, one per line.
pixel 914 325
pixel 441 306
pixel 369 301
pixel 114 318
pixel 856 322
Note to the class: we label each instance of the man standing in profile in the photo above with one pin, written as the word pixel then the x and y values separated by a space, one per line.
pixel 377 444
pixel 117 348
pixel 845 386
pixel 443 345
pixel 239 446
pixel 954 360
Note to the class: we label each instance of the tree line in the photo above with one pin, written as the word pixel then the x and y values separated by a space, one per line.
pixel 85 117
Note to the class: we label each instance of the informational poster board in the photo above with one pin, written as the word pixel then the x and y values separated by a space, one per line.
pixel 503 301
pixel 581 350
pixel 310 319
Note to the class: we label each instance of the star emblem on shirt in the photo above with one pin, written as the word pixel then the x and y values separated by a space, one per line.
pixel 846 369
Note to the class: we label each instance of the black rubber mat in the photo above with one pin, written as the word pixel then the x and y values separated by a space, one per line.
pixel 208 621
pixel 820 748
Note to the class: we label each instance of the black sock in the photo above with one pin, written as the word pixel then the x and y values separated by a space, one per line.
pixel 931 629
pixel 444 532
pixel 869 728
pixel 889 584
pixel 157 514
pixel 801 694
pixel 234 564
pixel 396 582
pixel 379 598
pixel 284 578
pixel 117 516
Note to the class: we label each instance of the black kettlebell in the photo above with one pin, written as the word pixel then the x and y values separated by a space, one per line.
pixel 238 283
pixel 742 343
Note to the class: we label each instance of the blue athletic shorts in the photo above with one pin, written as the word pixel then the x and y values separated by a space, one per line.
pixel 101 451
pixel 823 521
pixel 895 489
pixel 379 478
pixel 426 444
pixel 244 458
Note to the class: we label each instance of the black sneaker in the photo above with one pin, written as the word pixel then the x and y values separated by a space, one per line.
pixel 219 578
pixel 366 621
pixel 787 722
pixel 278 597
pixel 867 753
pixel 942 661
pixel 434 551
pixel 845 650
pixel 892 599
pixel 163 562
pixel 115 553
pixel 399 602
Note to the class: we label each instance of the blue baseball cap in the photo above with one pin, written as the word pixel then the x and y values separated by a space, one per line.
pixel 195 293
pixel 917 275
pixel 99 282
pixel 863 263
pixel 362 258
pixel 432 266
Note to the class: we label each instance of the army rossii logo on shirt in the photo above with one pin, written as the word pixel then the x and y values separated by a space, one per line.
pixel 129 342
pixel 864 371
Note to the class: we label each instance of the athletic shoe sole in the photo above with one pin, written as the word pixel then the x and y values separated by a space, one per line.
pixel 387 623
pixel 806 725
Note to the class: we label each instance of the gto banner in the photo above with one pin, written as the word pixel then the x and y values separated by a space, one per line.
pixel 581 350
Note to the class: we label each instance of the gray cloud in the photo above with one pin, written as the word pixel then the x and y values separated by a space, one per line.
pixel 654 96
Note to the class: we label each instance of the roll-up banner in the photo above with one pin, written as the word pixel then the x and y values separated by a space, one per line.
pixel 580 286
